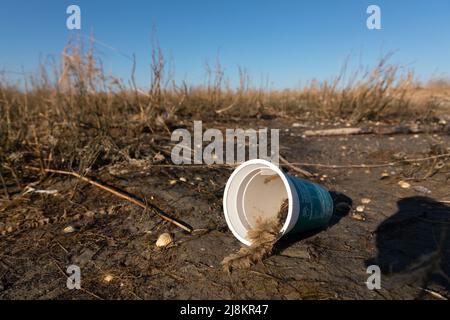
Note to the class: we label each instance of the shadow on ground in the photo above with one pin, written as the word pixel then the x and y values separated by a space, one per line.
pixel 414 243
pixel 342 205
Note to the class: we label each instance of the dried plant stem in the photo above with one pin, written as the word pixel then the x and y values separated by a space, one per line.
pixel 294 165
pixel 14 174
pixel 405 129
pixel 295 168
pixel 119 194
pixel 5 188
pixel 387 164
pixel 65 275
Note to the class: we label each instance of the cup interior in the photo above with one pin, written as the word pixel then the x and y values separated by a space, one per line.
pixel 262 198
pixel 256 190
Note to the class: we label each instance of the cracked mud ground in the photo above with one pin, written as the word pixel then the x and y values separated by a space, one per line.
pixel 401 229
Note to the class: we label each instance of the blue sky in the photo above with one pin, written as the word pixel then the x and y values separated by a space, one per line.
pixel 287 42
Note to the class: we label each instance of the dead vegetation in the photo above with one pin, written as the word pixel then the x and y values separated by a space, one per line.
pixel 262 237
pixel 73 116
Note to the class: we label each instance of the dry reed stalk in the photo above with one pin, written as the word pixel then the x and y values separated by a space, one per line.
pixel 368 166
pixel 119 194
pixel 294 165
pixel 262 237
pixel 5 188
pixel 291 166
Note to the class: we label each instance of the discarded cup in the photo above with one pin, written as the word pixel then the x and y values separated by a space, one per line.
pixel 258 188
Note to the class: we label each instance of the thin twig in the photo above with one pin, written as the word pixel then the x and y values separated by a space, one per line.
pixel 14 174
pixel 388 164
pixel 5 188
pixel 119 194
pixel 67 277
pixel 434 293
pixel 295 168
pixel 293 165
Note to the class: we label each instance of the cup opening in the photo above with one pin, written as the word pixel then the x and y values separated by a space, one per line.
pixel 257 189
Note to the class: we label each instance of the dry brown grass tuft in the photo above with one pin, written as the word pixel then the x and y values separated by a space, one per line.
pixel 262 237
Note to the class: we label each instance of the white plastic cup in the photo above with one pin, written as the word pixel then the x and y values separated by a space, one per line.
pixel 258 188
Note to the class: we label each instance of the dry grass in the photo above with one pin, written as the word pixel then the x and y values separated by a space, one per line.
pixel 262 237
pixel 72 116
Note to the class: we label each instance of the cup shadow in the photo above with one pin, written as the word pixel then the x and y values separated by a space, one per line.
pixel 342 205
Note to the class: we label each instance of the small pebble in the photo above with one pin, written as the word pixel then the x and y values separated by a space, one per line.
pixel 422 189
pixel 108 278
pixel 158 157
pixel 164 240
pixel 358 217
pixel 404 184
pixel 69 229
pixel 384 175
pixel 183 179
pixel 365 200
pixel 360 208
